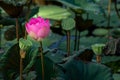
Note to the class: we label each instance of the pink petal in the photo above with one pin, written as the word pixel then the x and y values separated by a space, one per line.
pixel 39 39
pixel 27 27
pixel 33 35
pixel 43 32
pixel 32 21
pixel 33 28
pixel 47 23
pixel 40 19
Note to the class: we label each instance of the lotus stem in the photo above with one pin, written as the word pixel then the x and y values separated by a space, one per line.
pixel 98 58
pixel 21 69
pixel 27 16
pixel 17 36
pixel 116 9
pixel 42 60
pixel 25 34
pixel 17 29
pixel 68 43
pixel 22 56
pixel 109 11
pixel 78 45
pixel 75 39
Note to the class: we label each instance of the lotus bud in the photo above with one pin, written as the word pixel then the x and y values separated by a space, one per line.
pixel 98 48
pixel 24 44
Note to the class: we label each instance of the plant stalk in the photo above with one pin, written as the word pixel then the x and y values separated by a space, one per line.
pixel 27 17
pixel 116 9
pixel 75 44
pixel 22 56
pixel 68 43
pixel 78 45
pixel 98 58
pixel 17 29
pixel 21 68
pixel 42 60
pixel 109 10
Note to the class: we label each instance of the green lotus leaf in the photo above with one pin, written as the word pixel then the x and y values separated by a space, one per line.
pixel 97 48
pixel 85 42
pixel 100 32
pixel 53 12
pixel 68 23
pixel 56 55
pixel 82 5
pixel 97 1
pixel 102 19
pixel 84 71
pixel 115 32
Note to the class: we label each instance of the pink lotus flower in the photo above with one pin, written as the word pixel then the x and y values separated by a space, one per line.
pixel 38 28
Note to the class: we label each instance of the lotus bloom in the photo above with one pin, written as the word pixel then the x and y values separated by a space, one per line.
pixel 38 28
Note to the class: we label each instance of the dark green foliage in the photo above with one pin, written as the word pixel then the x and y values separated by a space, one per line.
pixel 114 65
pixel 33 11
pixel 49 67
pixel 56 55
pixel 10 63
pixel 76 67
pixel 85 42
pixel 9 34
pixel 29 76
pixel 82 4
pixel 77 70
pixel 101 19
pixel 15 2
pixel 113 62
pixel 7 21
pixel 30 59
pixel 115 33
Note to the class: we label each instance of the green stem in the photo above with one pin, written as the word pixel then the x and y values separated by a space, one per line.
pixel 78 45
pixel 21 69
pixel 42 60
pixel 27 16
pixel 75 39
pixel 116 9
pixel 17 29
pixel 109 10
pixel 21 64
pixel 68 43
